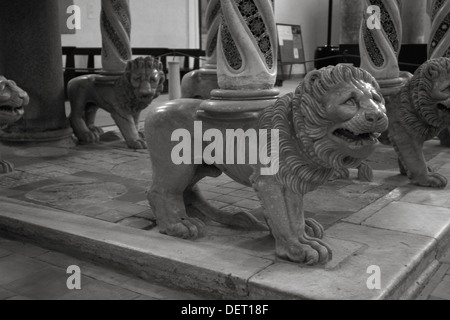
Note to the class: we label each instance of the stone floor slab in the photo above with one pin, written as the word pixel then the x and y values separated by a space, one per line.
pixel 14 267
pixel 184 263
pixel 401 258
pixel 424 220
pixel 425 196
pixel 443 290
pixel 97 290
pixel 5 294
pixel 49 283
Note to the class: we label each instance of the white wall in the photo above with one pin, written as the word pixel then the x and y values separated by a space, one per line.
pixel 312 15
pixel 155 23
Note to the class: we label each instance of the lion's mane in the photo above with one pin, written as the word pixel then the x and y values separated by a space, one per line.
pixel 417 109
pixel 125 91
pixel 307 156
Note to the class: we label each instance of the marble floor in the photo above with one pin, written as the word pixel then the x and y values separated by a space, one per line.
pixel 107 182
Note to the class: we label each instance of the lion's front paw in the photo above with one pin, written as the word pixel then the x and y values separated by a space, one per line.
pixel 313 228
pixel 137 144
pixel 433 180
pixel 6 167
pixel 96 130
pixel 305 250
pixel 188 228
pixel 89 137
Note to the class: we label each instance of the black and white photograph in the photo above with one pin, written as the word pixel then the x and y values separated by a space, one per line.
pixel 225 158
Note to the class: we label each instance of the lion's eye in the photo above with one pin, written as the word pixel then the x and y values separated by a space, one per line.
pixel 2 86
pixel 350 102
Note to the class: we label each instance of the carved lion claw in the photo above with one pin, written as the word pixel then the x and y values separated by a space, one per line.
pixel 433 180
pixel 187 228
pixel 137 144
pixel 313 228
pixel 89 137
pixel 6 167
pixel 305 250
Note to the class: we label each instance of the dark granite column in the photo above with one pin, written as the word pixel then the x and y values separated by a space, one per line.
pixel 30 54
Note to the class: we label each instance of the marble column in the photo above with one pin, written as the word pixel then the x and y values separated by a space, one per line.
pixel 414 19
pixel 439 43
pixel 247 50
pixel 247 46
pixel 213 21
pixel 380 46
pixel 200 83
pixel 351 16
pixel 31 56
pixel 115 24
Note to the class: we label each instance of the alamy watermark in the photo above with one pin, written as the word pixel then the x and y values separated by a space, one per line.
pixel 237 147
pixel 74 280
pixel 74 20
pixel 374 21
pixel 374 281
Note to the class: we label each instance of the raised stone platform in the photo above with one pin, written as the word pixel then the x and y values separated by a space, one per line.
pixel 89 201
pixel 403 230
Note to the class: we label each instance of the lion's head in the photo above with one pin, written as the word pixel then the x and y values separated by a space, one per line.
pixel 12 101
pixel 429 92
pixel 145 79
pixel 331 122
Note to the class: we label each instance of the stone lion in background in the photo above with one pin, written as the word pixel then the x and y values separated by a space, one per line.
pixel 421 111
pixel 332 121
pixel 12 101
pixel 123 97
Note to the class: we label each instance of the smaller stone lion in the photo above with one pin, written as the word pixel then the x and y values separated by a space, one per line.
pixel 123 97
pixel 12 101
pixel 331 122
pixel 418 114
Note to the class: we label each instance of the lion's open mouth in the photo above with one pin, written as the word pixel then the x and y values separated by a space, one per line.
pixel 356 139
pixel 11 110
pixel 443 107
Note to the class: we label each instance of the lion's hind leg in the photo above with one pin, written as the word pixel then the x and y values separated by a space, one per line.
pixel 283 210
pixel 410 152
pixel 78 92
pixel 165 196
pixel 90 114
pixel 198 206
pixel 6 167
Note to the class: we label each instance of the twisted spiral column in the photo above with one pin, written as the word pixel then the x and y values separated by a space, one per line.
pixel 213 21
pixel 247 45
pixel 380 47
pixel 115 25
pixel 439 43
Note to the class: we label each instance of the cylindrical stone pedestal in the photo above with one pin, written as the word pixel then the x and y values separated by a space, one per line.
pixel 174 80
pixel 30 54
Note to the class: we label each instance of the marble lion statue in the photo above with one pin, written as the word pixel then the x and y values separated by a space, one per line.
pixel 332 121
pixel 12 101
pixel 421 111
pixel 123 97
